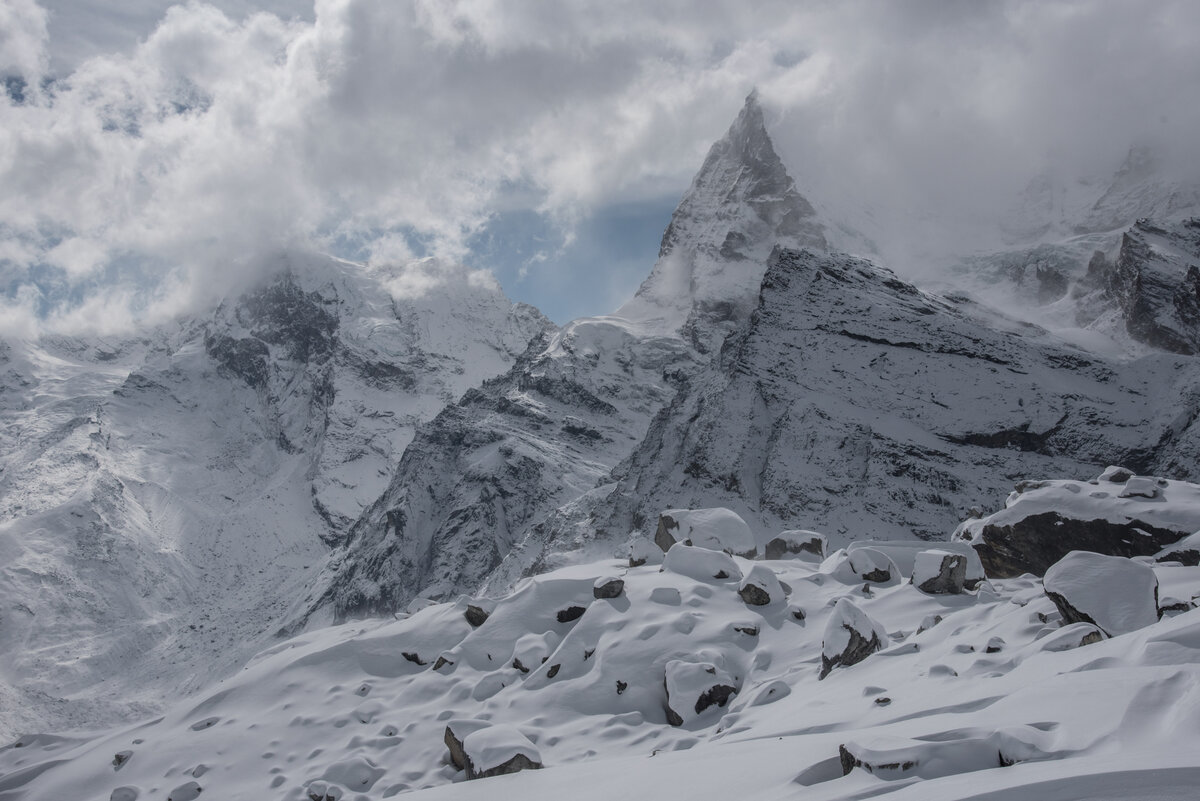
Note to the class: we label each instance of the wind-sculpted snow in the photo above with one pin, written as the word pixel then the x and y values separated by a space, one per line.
pixel 164 499
pixel 679 682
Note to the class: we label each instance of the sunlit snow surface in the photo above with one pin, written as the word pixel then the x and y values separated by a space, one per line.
pixel 361 707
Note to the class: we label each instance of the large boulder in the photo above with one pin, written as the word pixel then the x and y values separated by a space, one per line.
pixel 716 529
pixel 850 637
pixel 796 544
pixel 497 750
pixel 1117 514
pixel 940 572
pixel 693 687
pixel 1116 595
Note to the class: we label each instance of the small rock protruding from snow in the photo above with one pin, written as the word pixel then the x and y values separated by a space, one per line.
pixel 701 564
pixel 760 587
pixel 717 529
pixel 693 687
pixel 928 622
pixel 938 572
pixel 476 615
pixel 644 552
pixel 796 544
pixel 456 732
pixel 570 614
pixel 124 794
pixel 1117 595
pixel 850 637
pixel 120 758
pixel 608 587
pixel 497 750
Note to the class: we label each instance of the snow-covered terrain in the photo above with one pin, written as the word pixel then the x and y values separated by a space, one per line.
pixel 613 678
pixel 164 500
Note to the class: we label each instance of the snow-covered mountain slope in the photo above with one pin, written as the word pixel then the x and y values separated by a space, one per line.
pixel 679 680
pixel 853 402
pixel 165 500
pixel 1054 207
pixel 487 470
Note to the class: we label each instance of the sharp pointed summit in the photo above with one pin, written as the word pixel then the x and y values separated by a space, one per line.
pixel 740 205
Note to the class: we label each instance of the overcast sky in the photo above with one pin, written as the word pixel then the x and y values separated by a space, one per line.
pixel 149 154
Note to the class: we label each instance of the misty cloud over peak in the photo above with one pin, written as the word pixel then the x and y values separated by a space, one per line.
pixel 155 173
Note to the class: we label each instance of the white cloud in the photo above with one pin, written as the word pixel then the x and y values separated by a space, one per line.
pixel 375 126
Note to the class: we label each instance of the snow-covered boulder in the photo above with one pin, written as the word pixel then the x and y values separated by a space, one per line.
pixel 856 565
pixel 456 732
pixel 717 529
pixel 903 554
pixel 761 587
pixel 693 687
pixel 497 750
pixel 1118 514
pixel 796 544
pixel 891 758
pixel 850 637
pixel 939 572
pixel 1114 594
pixel 701 564
pixel 644 552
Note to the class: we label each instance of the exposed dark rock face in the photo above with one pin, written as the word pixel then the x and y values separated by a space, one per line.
pixel 1156 283
pixel 1034 543
pixel 518 762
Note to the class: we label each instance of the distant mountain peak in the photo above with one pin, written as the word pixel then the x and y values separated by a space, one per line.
pixel 740 204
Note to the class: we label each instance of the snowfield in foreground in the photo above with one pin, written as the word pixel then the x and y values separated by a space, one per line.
pixel 705 676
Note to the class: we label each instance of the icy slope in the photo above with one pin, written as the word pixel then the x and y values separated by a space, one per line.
pixel 985 690
pixel 489 469
pixel 164 499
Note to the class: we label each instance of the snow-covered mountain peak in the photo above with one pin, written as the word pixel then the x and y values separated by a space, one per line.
pixel 741 203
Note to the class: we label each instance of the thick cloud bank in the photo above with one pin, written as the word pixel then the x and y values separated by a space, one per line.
pixel 141 181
